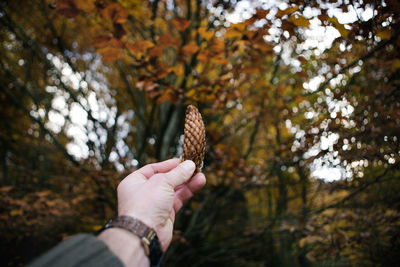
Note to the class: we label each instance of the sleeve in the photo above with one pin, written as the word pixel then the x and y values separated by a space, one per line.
pixel 78 250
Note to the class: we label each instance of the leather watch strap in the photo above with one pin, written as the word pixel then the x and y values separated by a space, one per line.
pixel 147 235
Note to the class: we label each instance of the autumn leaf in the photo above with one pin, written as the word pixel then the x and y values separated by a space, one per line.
pixel 181 24
pixel 67 8
pixel 110 53
pixel 165 96
pixel 303 242
pixel 217 45
pixel 232 33
pixel 287 11
pixel 205 34
pixel 395 64
pixel 5 189
pixel 17 212
pixel 116 43
pixel 177 69
pixel 219 60
pixel 115 13
pixel 261 13
pixel 101 40
pixel 155 51
pixel 140 46
pixel 204 56
pixel 166 40
pixel 384 34
pixel 96 227
pixel 299 20
pixel 251 69
pixel 239 26
pixel 190 49
pixel 340 27
pixel 87 5
pixel 323 17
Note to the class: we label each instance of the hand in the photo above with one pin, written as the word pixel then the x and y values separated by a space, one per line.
pixel 156 192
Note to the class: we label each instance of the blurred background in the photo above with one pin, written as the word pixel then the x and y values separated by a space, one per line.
pixel 302 111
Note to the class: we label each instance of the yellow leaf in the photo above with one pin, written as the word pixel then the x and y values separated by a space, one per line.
pixel 16 212
pixel 178 70
pixel 290 10
pixel 96 227
pixel 181 24
pixel 303 242
pixel 109 53
pixel 219 60
pixel 251 70
pixel 286 11
pixel 87 5
pixel 140 46
pixel 167 95
pixel 226 76
pixel 340 27
pixel 205 34
pixel 299 20
pixel 161 24
pixel 239 26
pixel 384 34
pixel 395 64
pixel 232 33
pixel 190 49
pixel 191 92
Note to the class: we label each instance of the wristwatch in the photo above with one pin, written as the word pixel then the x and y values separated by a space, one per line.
pixel 146 234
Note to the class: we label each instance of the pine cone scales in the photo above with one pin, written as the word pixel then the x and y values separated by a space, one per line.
pixel 194 137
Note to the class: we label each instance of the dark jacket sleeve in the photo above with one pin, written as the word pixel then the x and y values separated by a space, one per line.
pixel 79 250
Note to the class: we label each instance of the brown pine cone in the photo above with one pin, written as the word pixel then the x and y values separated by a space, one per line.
pixel 195 138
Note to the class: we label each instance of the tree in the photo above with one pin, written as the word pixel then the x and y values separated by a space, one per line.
pixel 93 89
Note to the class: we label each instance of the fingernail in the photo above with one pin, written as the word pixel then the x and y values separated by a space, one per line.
pixel 188 165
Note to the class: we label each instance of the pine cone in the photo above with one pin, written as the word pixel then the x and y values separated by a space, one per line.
pixel 195 138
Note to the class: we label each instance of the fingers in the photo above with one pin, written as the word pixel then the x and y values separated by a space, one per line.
pixel 196 183
pixel 179 175
pixel 186 191
pixel 159 167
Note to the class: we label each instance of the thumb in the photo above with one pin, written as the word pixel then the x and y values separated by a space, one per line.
pixel 182 173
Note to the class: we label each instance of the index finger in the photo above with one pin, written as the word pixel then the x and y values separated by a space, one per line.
pixel 159 167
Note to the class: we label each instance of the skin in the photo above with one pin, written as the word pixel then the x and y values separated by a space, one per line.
pixel 152 194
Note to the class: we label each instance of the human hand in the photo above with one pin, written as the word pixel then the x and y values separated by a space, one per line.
pixel 156 192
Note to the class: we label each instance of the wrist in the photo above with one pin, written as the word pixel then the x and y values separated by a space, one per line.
pixel 126 246
pixel 147 236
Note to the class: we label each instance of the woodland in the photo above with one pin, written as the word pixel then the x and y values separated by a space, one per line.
pixel 302 156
